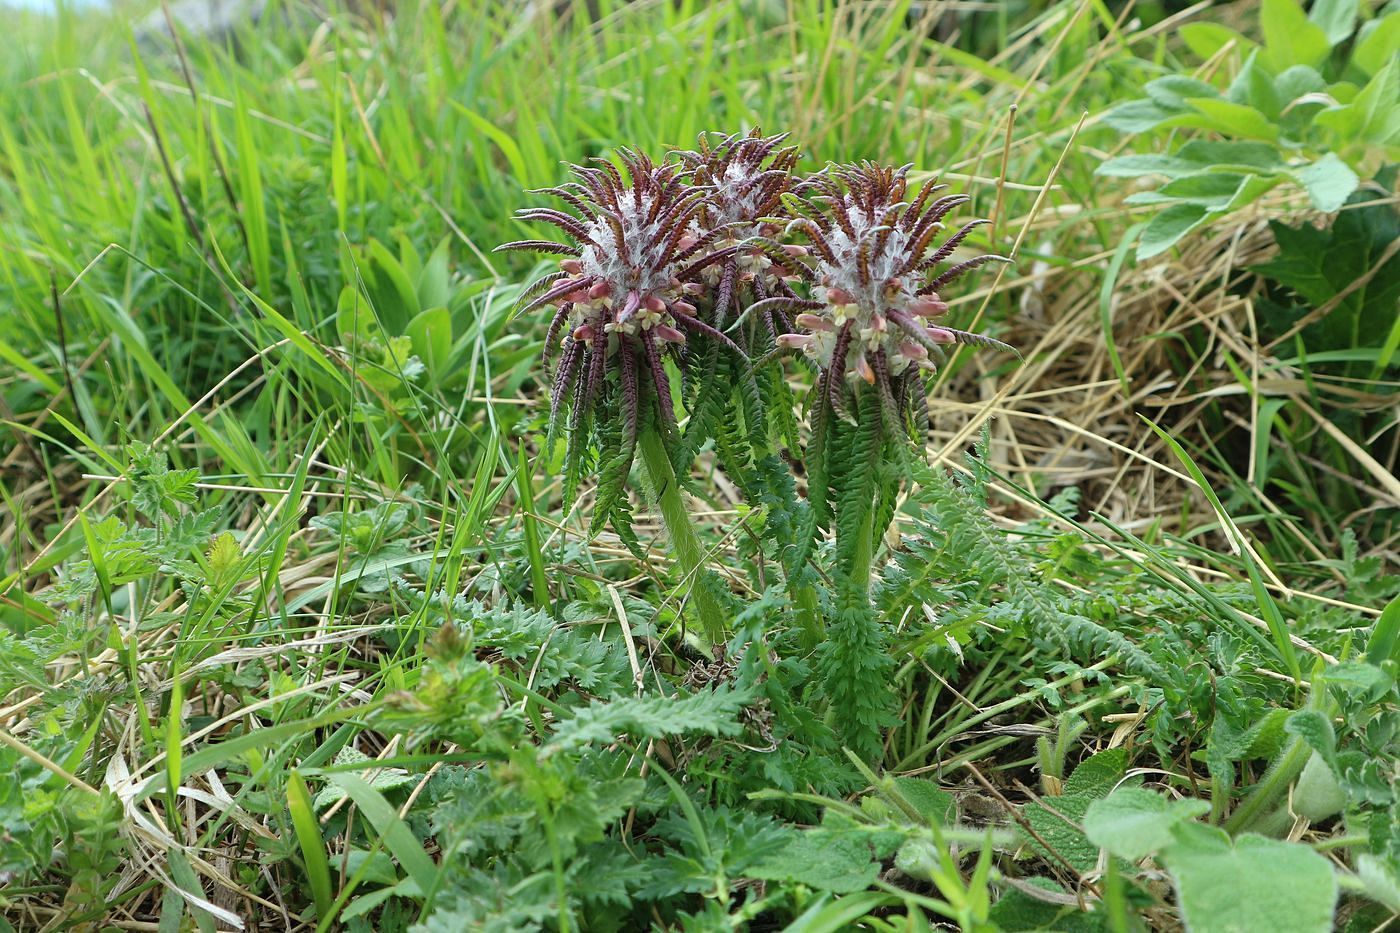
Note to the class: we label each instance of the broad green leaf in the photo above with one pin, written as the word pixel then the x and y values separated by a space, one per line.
pixel 381 778
pixel 839 862
pixel 1134 166
pixel 1226 118
pixel 1059 827
pixel 1318 795
pixel 1379 880
pixel 1173 91
pixel 1258 884
pixel 1208 189
pixel 1167 227
pixel 1254 87
pixel 431 334
pixel 1289 39
pixel 1329 182
pixel 1151 197
pixel 1137 116
pixel 1294 82
pixel 397 303
pixel 1384 643
pixel 1315 728
pixel 936 804
pixel 1379 43
pixel 434 281
pixel 1060 821
pixel 1133 822
pixel 1371 116
pixel 1336 18
pixel 1096 775
pixel 1251 187
pixel 1206 40
pixel 1231 154
pixel 1360 679
pixel 353 318
pixel 1320 265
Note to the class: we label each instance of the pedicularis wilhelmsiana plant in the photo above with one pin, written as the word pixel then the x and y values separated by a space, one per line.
pixel 876 262
pixel 665 263
pixel 622 305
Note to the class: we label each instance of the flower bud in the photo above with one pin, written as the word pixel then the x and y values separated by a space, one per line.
pixel 794 341
pixel 584 333
pixel 683 307
pixel 814 322
pixel 864 370
pixel 654 304
pixel 668 333
pixel 939 335
pixel 599 290
pixel 571 266
pixel 928 306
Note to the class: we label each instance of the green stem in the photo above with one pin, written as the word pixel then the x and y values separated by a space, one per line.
pixel 1273 788
pixel 1270 789
pixel 689 552
pixel 864 550
pixel 809 614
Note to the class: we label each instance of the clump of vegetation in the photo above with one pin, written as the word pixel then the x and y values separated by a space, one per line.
pixel 704 573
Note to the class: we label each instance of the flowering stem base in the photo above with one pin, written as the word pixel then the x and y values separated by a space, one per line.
pixel 689 551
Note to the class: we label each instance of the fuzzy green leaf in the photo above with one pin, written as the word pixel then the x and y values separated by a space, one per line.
pixel 1256 884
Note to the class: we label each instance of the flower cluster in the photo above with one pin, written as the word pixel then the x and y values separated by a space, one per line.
pixel 665 260
pixel 622 290
pixel 745 178
pixel 874 258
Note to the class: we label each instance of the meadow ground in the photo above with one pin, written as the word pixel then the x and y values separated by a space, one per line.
pixel 301 626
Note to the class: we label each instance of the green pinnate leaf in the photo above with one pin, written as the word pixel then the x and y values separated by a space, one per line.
pixel 710 712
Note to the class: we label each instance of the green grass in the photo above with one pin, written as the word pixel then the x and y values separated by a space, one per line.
pixel 293 629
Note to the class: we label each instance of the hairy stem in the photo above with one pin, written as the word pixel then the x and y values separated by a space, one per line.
pixel 864 551
pixel 804 595
pixel 689 552
pixel 1271 789
pixel 1271 792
